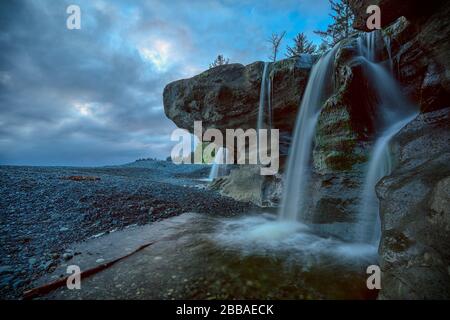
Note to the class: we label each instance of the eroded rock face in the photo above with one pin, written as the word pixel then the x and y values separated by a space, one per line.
pixel 420 46
pixel 227 97
pixel 343 140
pixel 415 212
pixel 414 249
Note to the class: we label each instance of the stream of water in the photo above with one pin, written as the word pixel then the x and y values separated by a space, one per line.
pixel 298 169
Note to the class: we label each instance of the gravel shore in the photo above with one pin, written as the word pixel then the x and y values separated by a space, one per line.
pixel 45 209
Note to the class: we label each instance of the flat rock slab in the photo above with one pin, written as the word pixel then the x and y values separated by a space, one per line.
pixel 187 261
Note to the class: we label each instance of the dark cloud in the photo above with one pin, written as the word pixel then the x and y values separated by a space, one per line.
pixel 94 96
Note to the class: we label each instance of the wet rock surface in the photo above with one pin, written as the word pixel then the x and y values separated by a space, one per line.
pixel 190 258
pixel 414 201
pixel 42 214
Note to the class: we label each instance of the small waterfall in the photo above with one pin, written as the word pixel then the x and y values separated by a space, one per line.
pixel 265 107
pixel 298 170
pixel 396 112
pixel 269 102
pixel 380 165
pixel 387 44
pixel 219 166
pixel 264 99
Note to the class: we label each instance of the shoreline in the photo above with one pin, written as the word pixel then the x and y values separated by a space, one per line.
pixel 44 212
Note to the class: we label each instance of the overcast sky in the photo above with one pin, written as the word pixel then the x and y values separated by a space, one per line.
pixel 94 96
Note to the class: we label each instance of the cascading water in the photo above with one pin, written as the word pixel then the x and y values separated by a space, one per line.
pixel 264 100
pixel 298 170
pixel 219 165
pixel 395 112
pixel 265 232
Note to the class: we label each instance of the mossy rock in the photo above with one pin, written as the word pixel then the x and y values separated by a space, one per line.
pixel 339 161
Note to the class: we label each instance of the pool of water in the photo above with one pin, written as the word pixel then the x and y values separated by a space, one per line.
pixel 251 257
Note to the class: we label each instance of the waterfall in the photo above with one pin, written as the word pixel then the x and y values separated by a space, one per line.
pixel 396 112
pixel 269 102
pixel 387 44
pixel 219 165
pixel 298 170
pixel 380 165
pixel 264 99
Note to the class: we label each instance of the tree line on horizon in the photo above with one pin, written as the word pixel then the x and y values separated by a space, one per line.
pixel 339 28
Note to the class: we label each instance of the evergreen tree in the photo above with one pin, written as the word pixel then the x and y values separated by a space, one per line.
pixel 301 45
pixel 341 26
pixel 220 61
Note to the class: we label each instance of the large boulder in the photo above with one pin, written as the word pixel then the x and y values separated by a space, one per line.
pixel 415 212
pixel 227 97
pixel 244 183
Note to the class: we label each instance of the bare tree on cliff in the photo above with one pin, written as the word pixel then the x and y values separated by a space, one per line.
pixel 301 45
pixel 220 61
pixel 341 26
pixel 275 41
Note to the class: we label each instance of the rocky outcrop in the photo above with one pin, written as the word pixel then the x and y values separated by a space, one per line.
pixel 414 249
pixel 391 10
pixel 414 199
pixel 347 119
pixel 227 97
pixel 246 184
pixel 415 212
pixel 344 135
pixel 420 46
